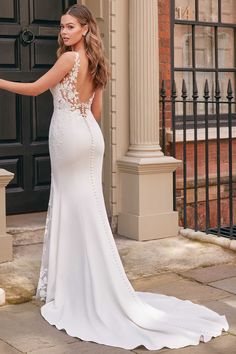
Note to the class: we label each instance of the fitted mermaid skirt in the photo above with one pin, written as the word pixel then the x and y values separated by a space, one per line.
pixel 82 279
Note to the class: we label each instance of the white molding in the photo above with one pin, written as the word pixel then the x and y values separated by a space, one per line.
pixel 142 166
pixel 224 134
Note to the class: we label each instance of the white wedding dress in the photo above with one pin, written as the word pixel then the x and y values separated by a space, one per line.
pixel 82 279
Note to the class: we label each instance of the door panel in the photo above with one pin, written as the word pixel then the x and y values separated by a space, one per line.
pixel 24 120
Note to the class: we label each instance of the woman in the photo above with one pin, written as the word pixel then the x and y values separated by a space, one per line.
pixel 82 279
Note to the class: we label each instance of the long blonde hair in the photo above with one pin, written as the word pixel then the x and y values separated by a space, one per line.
pixel 98 63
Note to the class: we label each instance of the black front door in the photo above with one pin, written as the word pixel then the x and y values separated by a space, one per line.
pixel 28 44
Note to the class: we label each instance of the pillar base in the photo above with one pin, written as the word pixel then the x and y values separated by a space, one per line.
pixel 146 198
pixel 148 227
pixel 6 248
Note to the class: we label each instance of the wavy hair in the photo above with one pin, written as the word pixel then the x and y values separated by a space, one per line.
pixel 98 63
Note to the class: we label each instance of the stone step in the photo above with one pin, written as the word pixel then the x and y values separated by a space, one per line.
pixel 26 229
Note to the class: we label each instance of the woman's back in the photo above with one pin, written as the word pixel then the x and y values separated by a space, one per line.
pixel 84 84
pixel 75 91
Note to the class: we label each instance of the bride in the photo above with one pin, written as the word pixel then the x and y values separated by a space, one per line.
pixel 82 282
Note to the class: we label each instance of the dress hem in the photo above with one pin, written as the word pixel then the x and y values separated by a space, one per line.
pixel 89 339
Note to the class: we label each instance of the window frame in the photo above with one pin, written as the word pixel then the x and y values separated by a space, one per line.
pixel 193 69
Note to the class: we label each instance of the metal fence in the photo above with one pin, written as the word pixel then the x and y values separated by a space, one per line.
pixel 210 165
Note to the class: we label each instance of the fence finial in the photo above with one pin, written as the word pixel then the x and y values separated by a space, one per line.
pixel 195 90
pixel 173 90
pixel 206 90
pixel 229 91
pixel 184 90
pixel 217 91
pixel 163 89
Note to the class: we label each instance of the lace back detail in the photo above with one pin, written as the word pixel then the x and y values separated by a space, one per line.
pixel 69 92
pixel 41 291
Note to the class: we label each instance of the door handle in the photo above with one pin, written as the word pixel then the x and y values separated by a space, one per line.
pixel 27 36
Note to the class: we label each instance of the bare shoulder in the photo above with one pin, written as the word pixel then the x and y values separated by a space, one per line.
pixel 68 55
pixel 66 60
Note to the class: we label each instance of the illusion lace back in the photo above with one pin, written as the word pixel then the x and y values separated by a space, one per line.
pixel 67 95
pixel 82 279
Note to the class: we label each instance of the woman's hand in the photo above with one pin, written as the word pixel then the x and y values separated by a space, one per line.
pixel 62 66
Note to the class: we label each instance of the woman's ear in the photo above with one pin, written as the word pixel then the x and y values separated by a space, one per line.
pixel 85 31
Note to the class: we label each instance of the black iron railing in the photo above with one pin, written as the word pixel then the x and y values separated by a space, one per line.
pixel 200 214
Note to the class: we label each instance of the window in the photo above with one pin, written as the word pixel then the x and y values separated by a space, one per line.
pixel 203 47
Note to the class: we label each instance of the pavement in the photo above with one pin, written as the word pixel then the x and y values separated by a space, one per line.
pixel 201 272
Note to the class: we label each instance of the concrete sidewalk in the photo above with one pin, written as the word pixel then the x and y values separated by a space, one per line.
pixel 23 330
pixel 200 272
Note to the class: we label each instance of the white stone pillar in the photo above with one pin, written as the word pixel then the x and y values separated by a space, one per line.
pixel 143 45
pixel 6 249
pixel 146 175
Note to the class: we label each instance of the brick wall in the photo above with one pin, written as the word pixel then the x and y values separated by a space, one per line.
pixel 224 183
pixel 165 51
pixel 164 41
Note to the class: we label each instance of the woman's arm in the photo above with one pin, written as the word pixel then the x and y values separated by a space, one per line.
pixel 62 66
pixel 96 107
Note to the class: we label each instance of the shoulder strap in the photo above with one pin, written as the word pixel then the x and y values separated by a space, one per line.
pixel 76 66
